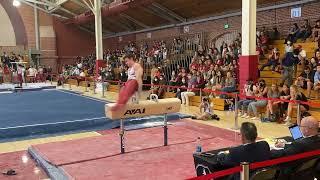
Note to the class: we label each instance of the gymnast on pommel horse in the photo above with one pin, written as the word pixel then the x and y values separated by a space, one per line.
pixel 133 84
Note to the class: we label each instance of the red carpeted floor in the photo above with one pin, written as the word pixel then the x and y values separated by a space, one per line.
pixel 22 164
pixel 98 157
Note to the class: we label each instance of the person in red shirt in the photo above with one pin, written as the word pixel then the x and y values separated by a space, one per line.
pixel 194 64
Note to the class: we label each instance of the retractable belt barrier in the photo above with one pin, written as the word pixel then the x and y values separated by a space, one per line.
pixel 258 165
pixel 233 95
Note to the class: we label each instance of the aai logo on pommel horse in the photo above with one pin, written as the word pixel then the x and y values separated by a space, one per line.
pixel 135 111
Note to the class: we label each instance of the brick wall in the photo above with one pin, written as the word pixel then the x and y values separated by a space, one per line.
pixel 279 17
pixel 70 41
pixel 27 15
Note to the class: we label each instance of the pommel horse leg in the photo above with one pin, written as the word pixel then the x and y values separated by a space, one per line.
pixel 165 130
pixel 122 136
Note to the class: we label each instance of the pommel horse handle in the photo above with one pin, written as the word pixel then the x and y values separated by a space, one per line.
pixel 154 97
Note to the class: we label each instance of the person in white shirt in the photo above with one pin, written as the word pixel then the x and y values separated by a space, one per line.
pixel 288 47
pixel 32 73
pixel 82 74
pixel 302 56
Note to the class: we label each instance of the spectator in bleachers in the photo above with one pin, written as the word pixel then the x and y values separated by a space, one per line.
pixel 249 90
pixel 273 60
pixel 123 74
pixel 211 82
pixel 284 95
pixel 313 64
pixel 229 84
pixel 305 31
pixel 183 84
pixel 159 90
pixel 288 47
pixel 305 80
pixel 173 80
pixel 302 56
pixel 317 82
pixel 293 33
pixel 219 80
pixel 154 71
pixel 264 41
pixel 316 31
pixel 262 92
pixel 272 104
pixel 192 81
pixel 275 34
pixel 288 64
pixel 295 95
pixel 200 83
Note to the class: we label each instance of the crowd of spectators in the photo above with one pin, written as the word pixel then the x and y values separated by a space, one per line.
pixel 217 69
pixel 14 69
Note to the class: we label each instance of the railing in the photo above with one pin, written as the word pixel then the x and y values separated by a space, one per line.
pixel 244 168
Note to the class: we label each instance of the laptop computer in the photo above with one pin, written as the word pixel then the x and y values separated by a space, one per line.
pixel 295 132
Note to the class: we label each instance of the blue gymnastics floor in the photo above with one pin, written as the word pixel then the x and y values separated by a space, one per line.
pixel 48 112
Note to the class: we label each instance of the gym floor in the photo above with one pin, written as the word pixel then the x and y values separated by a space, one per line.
pixel 14 150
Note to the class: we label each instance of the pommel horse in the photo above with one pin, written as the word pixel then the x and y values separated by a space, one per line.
pixel 154 106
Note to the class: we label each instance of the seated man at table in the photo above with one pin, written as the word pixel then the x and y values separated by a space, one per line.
pixel 311 140
pixel 250 150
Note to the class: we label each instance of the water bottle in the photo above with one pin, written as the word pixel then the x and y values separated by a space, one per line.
pixel 198 147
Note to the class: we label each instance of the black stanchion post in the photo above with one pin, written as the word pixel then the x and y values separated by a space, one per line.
pixel 165 130
pixel 244 173
pixel 122 148
pixel 236 109
pixel 94 87
pixel 119 86
pixel 103 89
pixel 86 85
pixel 298 113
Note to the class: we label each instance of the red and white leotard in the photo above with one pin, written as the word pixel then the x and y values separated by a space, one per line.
pixel 131 74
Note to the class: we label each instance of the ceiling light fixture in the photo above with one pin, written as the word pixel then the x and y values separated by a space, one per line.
pixel 16 3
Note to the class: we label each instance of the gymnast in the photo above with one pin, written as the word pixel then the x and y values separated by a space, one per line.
pixel 133 84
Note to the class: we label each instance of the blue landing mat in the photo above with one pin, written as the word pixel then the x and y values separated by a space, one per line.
pixel 39 113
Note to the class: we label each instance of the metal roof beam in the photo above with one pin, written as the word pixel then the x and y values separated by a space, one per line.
pixel 121 24
pixel 157 12
pixel 79 3
pixel 57 6
pixel 34 5
pixel 169 12
pixel 134 20
pixel 39 2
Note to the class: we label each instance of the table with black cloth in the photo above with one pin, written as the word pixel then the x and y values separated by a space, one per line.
pixel 208 162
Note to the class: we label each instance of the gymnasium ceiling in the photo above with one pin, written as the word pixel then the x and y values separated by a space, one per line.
pixel 122 16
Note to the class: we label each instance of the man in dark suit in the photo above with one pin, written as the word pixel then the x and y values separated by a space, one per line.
pixel 250 151
pixel 311 141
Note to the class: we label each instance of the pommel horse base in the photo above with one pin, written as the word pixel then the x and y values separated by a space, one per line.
pixel 142 109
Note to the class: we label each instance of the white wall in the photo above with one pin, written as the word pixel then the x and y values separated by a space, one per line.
pixel 7 36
